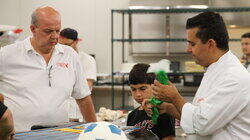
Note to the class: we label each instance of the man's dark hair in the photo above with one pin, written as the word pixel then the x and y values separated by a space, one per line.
pixel 139 75
pixel 246 35
pixel 211 26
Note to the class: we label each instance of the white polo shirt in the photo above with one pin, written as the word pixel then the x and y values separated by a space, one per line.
pixel 36 92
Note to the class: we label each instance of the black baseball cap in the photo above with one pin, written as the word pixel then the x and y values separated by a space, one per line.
pixel 69 33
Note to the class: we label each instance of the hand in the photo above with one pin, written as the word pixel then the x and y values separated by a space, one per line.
pixel 147 106
pixel 165 93
pixel 167 108
pixel 170 109
pixel 164 107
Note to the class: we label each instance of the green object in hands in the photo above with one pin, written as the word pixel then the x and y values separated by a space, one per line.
pixel 161 76
pixel 155 111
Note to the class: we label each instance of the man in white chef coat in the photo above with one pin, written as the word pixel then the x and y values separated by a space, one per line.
pixel 221 106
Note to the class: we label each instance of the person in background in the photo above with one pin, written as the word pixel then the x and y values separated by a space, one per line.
pixel 38 75
pixel 6 122
pixel 245 44
pixel 69 37
pixel 140 83
pixel 221 106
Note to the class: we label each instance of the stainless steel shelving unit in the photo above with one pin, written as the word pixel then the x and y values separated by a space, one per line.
pixel 130 12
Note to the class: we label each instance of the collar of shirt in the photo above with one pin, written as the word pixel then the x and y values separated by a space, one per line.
pixel 30 49
pixel 221 60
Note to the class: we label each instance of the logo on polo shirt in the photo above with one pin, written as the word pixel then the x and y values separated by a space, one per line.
pixel 64 65
pixel 200 99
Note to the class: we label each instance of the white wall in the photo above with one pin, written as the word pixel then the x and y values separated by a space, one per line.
pixel 9 11
pixel 92 19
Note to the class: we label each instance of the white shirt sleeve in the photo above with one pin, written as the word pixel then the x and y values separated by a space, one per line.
pixel 81 88
pixel 88 66
pixel 187 118
pixel 213 113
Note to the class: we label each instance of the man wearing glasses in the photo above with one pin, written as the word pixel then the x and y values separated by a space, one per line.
pixel 38 75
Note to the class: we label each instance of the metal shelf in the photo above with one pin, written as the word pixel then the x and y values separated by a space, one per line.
pixel 161 40
pixel 165 10
pixel 181 10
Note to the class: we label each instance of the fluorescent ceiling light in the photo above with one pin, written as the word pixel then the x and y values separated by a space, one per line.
pixel 192 6
pixel 232 26
pixel 148 7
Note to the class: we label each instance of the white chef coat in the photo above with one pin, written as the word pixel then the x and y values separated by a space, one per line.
pixel 88 65
pixel 221 107
pixel 24 81
pixel 89 70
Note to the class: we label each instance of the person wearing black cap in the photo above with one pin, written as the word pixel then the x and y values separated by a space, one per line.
pixel 69 36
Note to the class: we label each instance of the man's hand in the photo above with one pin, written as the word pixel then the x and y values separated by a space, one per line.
pixel 147 107
pixel 165 93
pixel 169 93
pixel 170 109
pixel 167 108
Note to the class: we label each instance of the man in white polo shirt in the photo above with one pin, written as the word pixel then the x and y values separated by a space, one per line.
pixel 38 76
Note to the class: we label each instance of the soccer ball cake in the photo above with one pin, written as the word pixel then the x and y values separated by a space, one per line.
pixel 103 131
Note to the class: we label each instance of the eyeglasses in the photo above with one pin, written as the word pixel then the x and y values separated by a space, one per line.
pixel 49 75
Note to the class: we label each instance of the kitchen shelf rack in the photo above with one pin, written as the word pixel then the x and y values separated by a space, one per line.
pixel 159 40
pixel 180 10
pixel 166 10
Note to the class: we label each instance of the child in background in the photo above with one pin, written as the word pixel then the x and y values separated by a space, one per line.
pixel 140 84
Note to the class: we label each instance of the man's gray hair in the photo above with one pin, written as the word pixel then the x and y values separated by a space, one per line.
pixel 34 19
